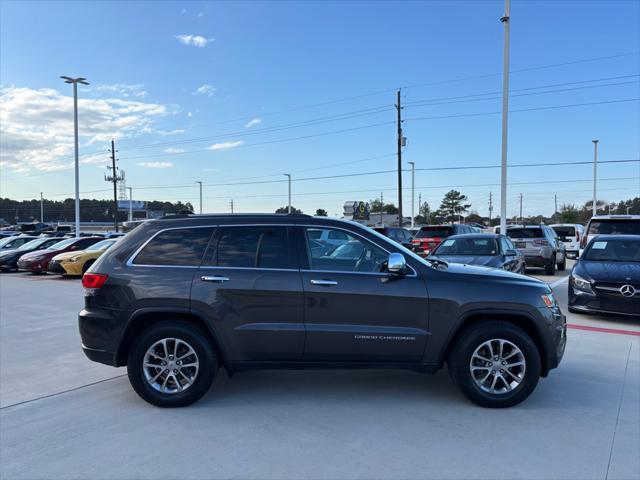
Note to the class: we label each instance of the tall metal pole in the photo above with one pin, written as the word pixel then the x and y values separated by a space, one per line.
pixel 505 113
pixel 413 187
pixel 490 206
pixel 399 121
pixel 130 203
pixel 41 209
pixel 289 204
pixel 520 210
pixel 115 185
pixel 595 175
pixel 555 201
pixel 75 82
pixel 200 183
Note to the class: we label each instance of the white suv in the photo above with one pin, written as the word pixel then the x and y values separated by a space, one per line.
pixel 569 235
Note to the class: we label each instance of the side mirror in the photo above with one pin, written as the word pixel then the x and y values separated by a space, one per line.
pixel 511 253
pixel 396 264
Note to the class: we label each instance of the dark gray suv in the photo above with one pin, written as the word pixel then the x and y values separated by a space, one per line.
pixel 179 297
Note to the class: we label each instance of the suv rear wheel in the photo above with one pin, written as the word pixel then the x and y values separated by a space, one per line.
pixel 172 364
pixel 495 364
pixel 550 268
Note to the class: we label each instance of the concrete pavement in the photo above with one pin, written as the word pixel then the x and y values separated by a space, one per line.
pixel 582 422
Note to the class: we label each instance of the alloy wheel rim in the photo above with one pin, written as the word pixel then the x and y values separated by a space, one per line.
pixel 497 366
pixel 170 366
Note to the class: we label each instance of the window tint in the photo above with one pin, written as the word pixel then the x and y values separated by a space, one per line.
pixel 429 232
pixel 565 233
pixel 614 226
pixel 181 247
pixel 613 251
pixel 525 232
pixel 467 246
pixel 253 247
pixel 337 235
pixel 504 244
pixel 353 254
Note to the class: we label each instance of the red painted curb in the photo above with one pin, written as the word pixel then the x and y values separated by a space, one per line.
pixel 604 330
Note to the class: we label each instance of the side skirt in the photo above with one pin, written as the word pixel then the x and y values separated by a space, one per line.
pixel 316 365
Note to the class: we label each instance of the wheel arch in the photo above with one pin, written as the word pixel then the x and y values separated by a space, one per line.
pixel 144 318
pixel 519 319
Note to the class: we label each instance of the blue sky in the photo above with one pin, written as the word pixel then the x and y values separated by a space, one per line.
pixel 221 92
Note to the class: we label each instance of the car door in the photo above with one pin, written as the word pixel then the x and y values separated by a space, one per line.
pixel 354 311
pixel 249 286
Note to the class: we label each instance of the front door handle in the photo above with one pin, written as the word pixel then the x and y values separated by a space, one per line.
pixel 325 283
pixel 214 278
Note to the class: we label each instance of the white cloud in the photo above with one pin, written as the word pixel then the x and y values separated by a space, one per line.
pixel 200 14
pixel 123 90
pixel 205 89
pixel 226 145
pixel 189 114
pixel 155 164
pixel 253 122
pixel 183 11
pixel 36 126
pixel 195 40
pixel 173 150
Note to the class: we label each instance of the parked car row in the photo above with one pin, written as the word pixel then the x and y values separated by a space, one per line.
pixel 65 256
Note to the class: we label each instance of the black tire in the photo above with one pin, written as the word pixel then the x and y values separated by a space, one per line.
pixel 550 269
pixel 563 265
pixel 460 358
pixel 86 266
pixel 187 332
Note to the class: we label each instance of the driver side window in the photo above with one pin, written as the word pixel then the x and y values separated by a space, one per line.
pixel 337 250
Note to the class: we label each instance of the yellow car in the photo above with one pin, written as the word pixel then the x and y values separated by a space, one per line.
pixel 76 263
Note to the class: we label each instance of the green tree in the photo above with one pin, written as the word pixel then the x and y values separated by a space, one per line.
pixel 321 212
pixel 286 210
pixel 454 204
pixel 424 214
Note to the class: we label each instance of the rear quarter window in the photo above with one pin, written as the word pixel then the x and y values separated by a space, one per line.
pixel 177 247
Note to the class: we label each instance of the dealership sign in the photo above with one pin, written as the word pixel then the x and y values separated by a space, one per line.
pixel 135 205
pixel 357 210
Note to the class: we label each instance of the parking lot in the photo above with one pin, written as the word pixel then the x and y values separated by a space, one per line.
pixel 63 416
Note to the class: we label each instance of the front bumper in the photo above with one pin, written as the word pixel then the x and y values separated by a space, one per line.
pixel 32 266
pixel 56 267
pixel 603 304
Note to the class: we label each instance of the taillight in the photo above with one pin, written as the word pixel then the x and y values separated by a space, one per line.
pixel 577 236
pixel 541 242
pixel 94 280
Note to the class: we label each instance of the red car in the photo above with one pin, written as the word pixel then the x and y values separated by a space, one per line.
pixel 428 238
pixel 38 261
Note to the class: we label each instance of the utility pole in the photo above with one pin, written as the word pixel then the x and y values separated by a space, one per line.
pixel 115 178
pixel 399 121
pixel 520 210
pixel 413 186
pixel 75 82
pixel 200 183
pixel 595 175
pixel 420 205
pixel 288 175
pixel 381 208
pixel 555 200
pixel 231 205
pixel 41 209
pixel 491 207
pixel 130 204
pixel 505 113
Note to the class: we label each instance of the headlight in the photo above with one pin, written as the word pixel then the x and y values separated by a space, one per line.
pixel 549 300
pixel 581 284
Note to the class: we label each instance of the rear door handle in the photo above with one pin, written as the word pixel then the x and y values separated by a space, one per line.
pixel 326 283
pixel 214 278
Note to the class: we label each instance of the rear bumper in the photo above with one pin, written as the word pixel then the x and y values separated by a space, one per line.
pixel 101 332
pixel 100 356
pixel 536 261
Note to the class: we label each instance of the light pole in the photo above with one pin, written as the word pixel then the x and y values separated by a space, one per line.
pixel 130 203
pixel 595 175
pixel 200 183
pixel 75 82
pixel 413 187
pixel 289 207
pixel 41 209
pixel 505 113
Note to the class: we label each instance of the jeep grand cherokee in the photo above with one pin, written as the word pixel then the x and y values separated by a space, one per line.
pixel 179 297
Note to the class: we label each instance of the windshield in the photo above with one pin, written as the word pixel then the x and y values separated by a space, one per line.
pixel 467 246
pixel 34 244
pixel 614 227
pixel 613 251
pixel 103 245
pixel 431 232
pixel 62 245
pixel 7 240
pixel 525 233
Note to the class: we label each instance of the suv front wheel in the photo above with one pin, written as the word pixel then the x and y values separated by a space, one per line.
pixel 495 364
pixel 172 364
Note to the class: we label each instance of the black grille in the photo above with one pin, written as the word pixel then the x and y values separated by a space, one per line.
pixel 55 267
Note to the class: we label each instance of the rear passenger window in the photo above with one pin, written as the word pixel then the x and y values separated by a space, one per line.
pixel 252 247
pixel 177 247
